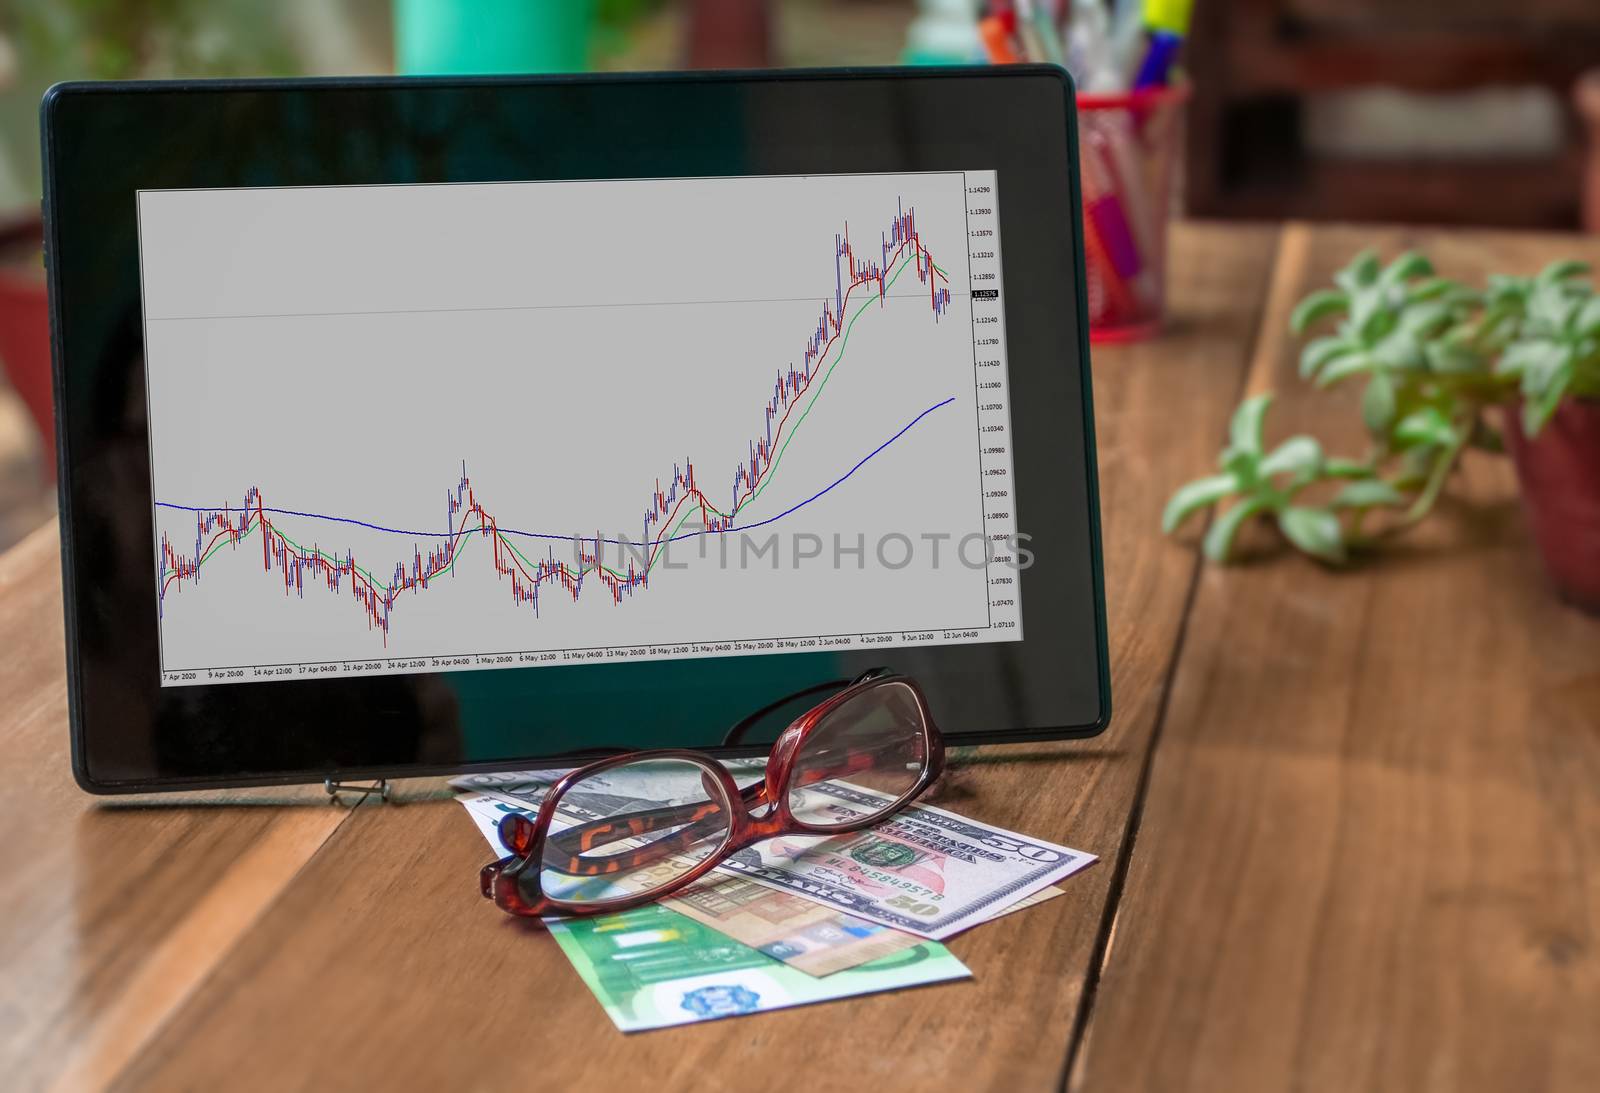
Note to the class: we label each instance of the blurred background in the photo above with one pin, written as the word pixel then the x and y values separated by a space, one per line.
pixel 1472 112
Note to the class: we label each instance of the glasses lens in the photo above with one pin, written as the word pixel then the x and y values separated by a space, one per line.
pixel 875 741
pixel 631 830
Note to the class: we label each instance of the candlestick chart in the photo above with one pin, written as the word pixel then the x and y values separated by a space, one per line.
pixel 646 333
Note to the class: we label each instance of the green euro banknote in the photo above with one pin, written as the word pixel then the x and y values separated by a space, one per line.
pixel 652 967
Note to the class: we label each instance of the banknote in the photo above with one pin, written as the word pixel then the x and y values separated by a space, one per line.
pixel 924 871
pixel 652 967
pixel 533 782
pixel 803 934
pixel 1043 895
pixel 809 936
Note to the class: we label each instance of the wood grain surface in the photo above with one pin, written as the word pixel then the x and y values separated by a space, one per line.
pixel 1347 822
pixel 1370 853
pixel 109 916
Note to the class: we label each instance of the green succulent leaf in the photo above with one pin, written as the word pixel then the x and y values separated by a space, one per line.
pixel 1408 265
pixel 1378 403
pixel 1427 425
pixel 1552 307
pixel 1588 321
pixel 1347 468
pixel 1319 351
pixel 1244 466
pixel 1549 359
pixel 1218 544
pixel 1319 305
pixel 1538 410
pixel 1433 288
pixel 1493 329
pixel 1371 315
pixel 1362 271
pixel 1508 293
pixel 1524 357
pixel 1368 494
pixel 1194 496
pixel 1561 270
pixel 1399 351
pixel 1425 317
pixel 1316 531
pixel 1339 368
pixel 1299 455
pixel 1246 428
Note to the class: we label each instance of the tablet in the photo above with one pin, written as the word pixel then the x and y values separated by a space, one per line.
pixel 416 426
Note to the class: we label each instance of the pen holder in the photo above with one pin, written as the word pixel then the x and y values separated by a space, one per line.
pixel 1128 146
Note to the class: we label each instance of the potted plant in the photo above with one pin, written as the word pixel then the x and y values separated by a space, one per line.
pixel 1441 363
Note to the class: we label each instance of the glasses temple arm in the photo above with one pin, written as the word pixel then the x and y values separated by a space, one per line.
pixel 735 734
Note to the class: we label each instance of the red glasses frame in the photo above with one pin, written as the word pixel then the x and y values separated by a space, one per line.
pixel 514 884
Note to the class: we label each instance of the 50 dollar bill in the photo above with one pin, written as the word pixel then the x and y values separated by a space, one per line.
pixel 924 870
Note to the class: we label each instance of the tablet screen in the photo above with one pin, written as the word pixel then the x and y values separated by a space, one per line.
pixel 420 428
pixel 427 425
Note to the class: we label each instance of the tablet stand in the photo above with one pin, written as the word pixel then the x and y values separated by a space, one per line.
pixel 380 787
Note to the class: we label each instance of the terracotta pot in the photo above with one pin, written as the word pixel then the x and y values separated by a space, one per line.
pixel 1560 474
pixel 25 329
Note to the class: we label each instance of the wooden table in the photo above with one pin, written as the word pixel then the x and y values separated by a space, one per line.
pixel 1349 823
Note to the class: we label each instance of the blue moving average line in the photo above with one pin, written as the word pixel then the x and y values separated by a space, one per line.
pixel 584 538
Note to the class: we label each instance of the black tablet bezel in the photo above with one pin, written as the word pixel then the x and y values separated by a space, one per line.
pixel 1028 123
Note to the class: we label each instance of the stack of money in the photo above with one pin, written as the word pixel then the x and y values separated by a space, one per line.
pixel 794 919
